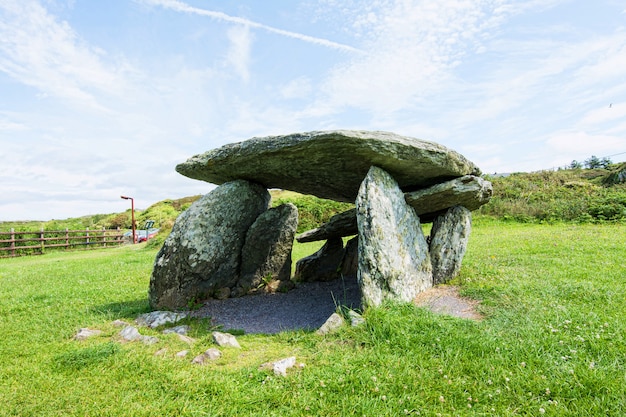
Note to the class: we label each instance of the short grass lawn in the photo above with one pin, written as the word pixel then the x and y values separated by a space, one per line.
pixel 552 341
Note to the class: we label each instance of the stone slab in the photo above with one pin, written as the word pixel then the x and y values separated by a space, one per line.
pixel 468 191
pixel 329 164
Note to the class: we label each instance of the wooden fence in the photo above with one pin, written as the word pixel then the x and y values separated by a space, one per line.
pixel 36 242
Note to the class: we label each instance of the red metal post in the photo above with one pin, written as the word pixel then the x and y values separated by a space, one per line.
pixel 132 215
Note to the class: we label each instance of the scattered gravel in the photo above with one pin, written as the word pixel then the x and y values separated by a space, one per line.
pixel 305 307
pixel 309 305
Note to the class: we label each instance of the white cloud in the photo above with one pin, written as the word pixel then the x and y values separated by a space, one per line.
pixel 300 87
pixel 7 126
pixel 411 49
pixel 39 50
pixel 179 6
pixel 573 144
pixel 239 52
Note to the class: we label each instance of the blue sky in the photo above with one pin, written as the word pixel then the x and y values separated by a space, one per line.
pixel 101 99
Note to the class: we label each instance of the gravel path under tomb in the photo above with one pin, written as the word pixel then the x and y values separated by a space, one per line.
pixel 309 305
pixel 305 307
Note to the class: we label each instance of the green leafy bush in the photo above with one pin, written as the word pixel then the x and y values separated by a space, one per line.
pixel 557 196
pixel 312 211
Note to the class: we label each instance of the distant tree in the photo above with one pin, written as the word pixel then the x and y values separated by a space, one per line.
pixel 593 162
pixel 575 165
pixel 605 162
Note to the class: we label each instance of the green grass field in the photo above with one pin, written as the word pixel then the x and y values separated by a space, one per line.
pixel 552 341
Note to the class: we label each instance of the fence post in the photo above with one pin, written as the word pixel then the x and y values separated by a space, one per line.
pixel 104 237
pixel 118 237
pixel 67 238
pixel 41 240
pixel 87 234
pixel 12 242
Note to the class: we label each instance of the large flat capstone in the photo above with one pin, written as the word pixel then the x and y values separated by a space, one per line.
pixel 329 164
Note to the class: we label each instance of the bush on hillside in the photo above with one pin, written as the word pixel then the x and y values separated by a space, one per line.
pixel 312 211
pixel 551 196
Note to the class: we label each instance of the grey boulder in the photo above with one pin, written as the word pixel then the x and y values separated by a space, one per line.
pixel 468 191
pixel 323 265
pixel 266 253
pixel 448 242
pixel 394 263
pixel 203 252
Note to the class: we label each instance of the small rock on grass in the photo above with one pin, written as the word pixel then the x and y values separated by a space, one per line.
pixel 131 334
pixel 159 318
pixel 280 367
pixel 85 333
pixel 355 318
pixel 183 329
pixel 225 340
pixel 186 339
pixel 210 354
pixel 332 324
pixel 160 352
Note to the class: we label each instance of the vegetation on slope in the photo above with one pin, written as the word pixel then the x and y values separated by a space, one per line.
pixel 578 195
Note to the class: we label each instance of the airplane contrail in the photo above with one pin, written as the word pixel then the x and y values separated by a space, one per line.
pixel 185 8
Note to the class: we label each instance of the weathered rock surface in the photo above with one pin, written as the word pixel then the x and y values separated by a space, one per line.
pixel 203 251
pixel 210 354
pixel 131 334
pixel 339 225
pixel 394 263
pixel 155 319
pixel 180 330
pixel 332 324
pixel 448 243
pixel 468 191
pixel 280 367
pixel 329 164
pixel 266 253
pixel 225 340
pixel 350 261
pixel 355 318
pixel 323 265
pixel 86 333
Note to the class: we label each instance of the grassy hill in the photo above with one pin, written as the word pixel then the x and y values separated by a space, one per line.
pixel 577 195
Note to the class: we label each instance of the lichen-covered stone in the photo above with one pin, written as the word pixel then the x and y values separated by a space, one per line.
pixel 323 265
pixel 448 243
pixel 266 253
pixel 339 225
pixel 394 263
pixel 350 261
pixel 203 251
pixel 329 164
pixel 468 191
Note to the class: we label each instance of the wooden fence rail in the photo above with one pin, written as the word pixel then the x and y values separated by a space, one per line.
pixel 36 242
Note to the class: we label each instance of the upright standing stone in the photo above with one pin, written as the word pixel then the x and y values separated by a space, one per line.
pixel 266 254
pixel 350 261
pixel 203 252
pixel 448 242
pixel 394 263
pixel 323 265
